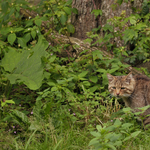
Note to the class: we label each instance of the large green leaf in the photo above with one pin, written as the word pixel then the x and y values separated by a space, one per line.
pixel 26 67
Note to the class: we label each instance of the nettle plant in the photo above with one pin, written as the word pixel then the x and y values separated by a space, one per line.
pixel 16 30
pixel 78 90
pixel 120 131
pixel 114 136
pixel 21 32
pixel 59 12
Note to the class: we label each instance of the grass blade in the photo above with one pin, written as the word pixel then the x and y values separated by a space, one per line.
pixel 28 142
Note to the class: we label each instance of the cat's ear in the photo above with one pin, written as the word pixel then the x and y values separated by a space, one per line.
pixel 110 77
pixel 129 77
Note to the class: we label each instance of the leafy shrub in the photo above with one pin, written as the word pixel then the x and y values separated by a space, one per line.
pixel 132 31
pixel 117 133
pixel 46 100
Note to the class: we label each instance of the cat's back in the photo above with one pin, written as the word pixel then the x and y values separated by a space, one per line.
pixel 142 81
pixel 142 86
pixel 141 78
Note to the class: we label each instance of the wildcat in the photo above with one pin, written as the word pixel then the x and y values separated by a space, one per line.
pixel 134 90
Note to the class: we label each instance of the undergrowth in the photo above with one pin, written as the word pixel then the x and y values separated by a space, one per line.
pixel 55 103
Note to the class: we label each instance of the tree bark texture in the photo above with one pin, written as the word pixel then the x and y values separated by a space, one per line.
pixel 85 21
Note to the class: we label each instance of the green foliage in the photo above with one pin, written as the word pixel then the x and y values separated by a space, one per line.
pixel 133 31
pixel 47 101
pixel 121 131
pixel 26 66
pixel 60 12
pixel 97 12
pixel 113 136
pixel 7 102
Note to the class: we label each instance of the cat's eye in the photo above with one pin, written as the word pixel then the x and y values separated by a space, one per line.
pixel 123 88
pixel 114 87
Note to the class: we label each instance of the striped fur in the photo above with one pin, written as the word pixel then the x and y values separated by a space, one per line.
pixel 134 90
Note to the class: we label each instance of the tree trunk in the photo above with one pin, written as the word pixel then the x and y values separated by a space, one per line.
pixel 85 21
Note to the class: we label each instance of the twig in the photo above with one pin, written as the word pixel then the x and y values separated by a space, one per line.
pixel 100 121
pixel 94 4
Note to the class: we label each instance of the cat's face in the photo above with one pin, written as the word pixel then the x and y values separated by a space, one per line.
pixel 121 86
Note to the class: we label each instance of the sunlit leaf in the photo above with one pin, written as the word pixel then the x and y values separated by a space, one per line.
pixel 24 67
pixel 69 2
pixel 27 37
pixel 93 79
pixel 11 38
pixel 83 74
pixel 93 89
pixel 38 22
pixel 67 10
pixel 86 83
pixel 7 102
pixel 33 34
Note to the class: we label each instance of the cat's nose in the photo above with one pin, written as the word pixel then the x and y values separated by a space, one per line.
pixel 117 94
